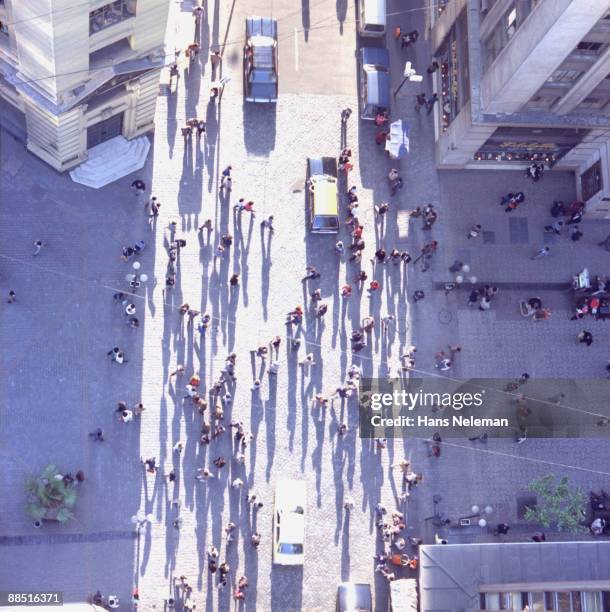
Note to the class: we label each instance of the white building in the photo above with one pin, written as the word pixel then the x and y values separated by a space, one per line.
pixel 522 80
pixel 75 73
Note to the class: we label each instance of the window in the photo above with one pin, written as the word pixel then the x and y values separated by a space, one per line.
pixel 110 14
pixel 589 46
pixel 565 76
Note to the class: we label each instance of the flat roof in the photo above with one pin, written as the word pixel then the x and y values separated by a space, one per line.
pixel 452 576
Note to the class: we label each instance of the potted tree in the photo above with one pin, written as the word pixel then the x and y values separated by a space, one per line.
pixel 558 504
pixel 51 497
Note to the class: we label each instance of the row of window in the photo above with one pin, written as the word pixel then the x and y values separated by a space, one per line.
pixel 571 601
pixel 110 14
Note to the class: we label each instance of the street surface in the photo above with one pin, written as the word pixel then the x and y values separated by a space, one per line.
pixel 57 383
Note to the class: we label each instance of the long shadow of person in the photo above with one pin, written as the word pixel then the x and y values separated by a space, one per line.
pixel 306 18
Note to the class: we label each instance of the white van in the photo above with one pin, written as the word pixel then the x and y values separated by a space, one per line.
pixel 372 17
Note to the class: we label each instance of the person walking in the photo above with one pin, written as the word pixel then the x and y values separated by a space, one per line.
pixel 585 337
pixel 408 39
pixel 475 230
pixel 268 224
pixel 431 102
pixel 38 244
pixel 420 101
pixel 433 67
pixel 554 228
pixel 543 252
pixel 12 297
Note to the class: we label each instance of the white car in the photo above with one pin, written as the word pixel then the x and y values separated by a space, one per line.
pixel 289 522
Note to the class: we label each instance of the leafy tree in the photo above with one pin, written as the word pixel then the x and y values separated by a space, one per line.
pixel 50 496
pixel 558 504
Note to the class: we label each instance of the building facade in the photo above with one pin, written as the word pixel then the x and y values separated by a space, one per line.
pixel 74 74
pixel 524 80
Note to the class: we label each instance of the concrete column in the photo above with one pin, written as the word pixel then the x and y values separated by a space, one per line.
pixel 585 85
pixel 537 49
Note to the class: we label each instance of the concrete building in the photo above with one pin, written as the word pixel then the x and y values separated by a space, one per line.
pixel 523 80
pixel 76 74
pixel 570 576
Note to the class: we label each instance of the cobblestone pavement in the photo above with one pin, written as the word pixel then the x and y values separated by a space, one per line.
pixel 57 384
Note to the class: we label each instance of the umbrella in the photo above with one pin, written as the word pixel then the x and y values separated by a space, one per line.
pixel 398 143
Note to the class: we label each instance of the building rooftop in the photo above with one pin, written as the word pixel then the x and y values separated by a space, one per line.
pixel 451 576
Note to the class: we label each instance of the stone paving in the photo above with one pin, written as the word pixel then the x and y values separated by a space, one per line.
pixel 57 384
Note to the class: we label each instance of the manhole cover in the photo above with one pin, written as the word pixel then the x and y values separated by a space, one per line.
pixel 445 317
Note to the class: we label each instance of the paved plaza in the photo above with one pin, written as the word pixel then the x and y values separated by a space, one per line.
pixel 57 383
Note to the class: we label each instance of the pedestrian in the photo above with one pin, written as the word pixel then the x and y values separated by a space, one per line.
pixel 431 102
pixel 38 244
pixel 220 462
pixel 339 248
pixel 380 256
pixel 321 310
pixel 138 186
pixel 97 435
pixel 433 67
pixel 373 286
pixel 12 297
pixel 418 295
pixel 475 230
pixel 409 38
pixel 443 364
pixel 238 483
pixel 234 280
pixel 311 273
pixel 485 303
pixel 268 223
pixel 151 465
pixel 554 228
pixel 502 529
pixel 215 60
pixel 346 291
pixel 255 540
pixel 543 252
pixel 308 361
pixel 116 354
pixel 420 100
pixel 585 337
pixel 575 233
pixel 382 209
pixel 345 115
pixel 430 218
pixel 178 447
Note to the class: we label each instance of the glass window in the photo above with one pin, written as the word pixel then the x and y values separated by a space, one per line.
pixel 592 601
pixel 110 14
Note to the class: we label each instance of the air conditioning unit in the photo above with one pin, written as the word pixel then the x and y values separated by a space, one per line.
pixel 464 522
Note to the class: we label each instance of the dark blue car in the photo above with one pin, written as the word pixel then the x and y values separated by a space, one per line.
pixel 260 60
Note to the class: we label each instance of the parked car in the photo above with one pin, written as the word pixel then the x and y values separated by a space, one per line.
pixel 322 195
pixel 354 597
pixel 261 60
pixel 289 522
pixel 372 18
pixel 374 81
